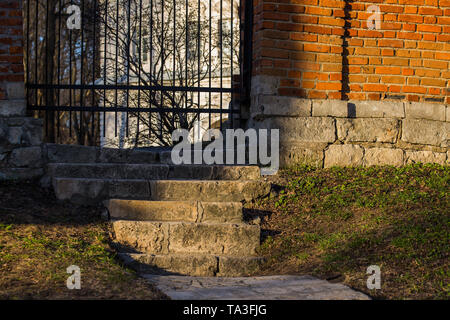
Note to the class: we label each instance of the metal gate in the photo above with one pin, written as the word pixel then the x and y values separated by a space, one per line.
pixel 127 73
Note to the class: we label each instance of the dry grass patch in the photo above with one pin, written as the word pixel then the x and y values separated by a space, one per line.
pixel 40 237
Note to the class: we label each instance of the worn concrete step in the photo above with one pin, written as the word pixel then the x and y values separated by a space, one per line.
pixel 223 191
pixel 156 237
pixel 94 191
pixel 188 211
pixel 91 191
pixel 152 171
pixel 199 265
pixel 60 153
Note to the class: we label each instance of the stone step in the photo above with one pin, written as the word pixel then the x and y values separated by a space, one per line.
pixel 60 153
pixel 188 211
pixel 192 265
pixel 92 191
pixel 221 191
pixel 152 171
pixel 155 237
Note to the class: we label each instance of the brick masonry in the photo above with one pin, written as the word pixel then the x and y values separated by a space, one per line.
pixel 11 47
pixel 323 49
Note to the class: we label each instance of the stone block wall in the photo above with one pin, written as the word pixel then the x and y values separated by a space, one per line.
pixel 329 133
pixel 20 136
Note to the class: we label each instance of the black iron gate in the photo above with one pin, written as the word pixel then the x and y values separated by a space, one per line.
pixel 130 72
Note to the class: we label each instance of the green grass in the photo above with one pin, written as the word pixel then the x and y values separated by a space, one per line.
pixel 339 221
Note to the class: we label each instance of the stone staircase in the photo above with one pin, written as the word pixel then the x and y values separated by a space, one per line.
pixel 167 219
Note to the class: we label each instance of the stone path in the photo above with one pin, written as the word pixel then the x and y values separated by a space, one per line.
pixel 252 288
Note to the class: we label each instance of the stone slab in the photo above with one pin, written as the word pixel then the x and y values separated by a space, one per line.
pixel 344 155
pixel 71 153
pixel 20 173
pixel 188 211
pixel 301 153
pixel 26 157
pixel 12 108
pixel 301 129
pixel 93 191
pixel 228 191
pixel 425 157
pixel 330 108
pixel 282 106
pixel 192 264
pixel 23 131
pixel 108 171
pixel 376 109
pixel 253 288
pixel 185 238
pixel 428 111
pixel 426 132
pixel 383 157
pixel 368 130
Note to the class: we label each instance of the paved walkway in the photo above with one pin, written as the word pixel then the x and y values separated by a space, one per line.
pixel 253 288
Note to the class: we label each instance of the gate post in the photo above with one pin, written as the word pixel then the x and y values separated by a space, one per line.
pixel 21 155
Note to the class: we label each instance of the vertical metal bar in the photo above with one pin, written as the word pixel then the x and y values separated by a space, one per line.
pixel 198 66
pixel 140 64
pixel 186 55
pixel 210 61
pixel 82 73
pixel 28 50
pixel 94 61
pixel 221 60
pixel 248 53
pixel 162 64
pixel 174 57
pixel 59 65
pixel 46 66
pixel 36 45
pixel 128 60
pixel 231 114
pixel 70 79
pixel 104 68
pixel 116 67
pixel 242 28
pixel 151 71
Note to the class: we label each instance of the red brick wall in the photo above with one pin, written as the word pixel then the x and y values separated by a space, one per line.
pixel 322 49
pixel 11 44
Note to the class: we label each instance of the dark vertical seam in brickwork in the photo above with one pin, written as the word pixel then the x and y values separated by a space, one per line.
pixel 345 69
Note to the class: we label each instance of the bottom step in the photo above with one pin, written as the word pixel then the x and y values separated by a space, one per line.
pixel 192 265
